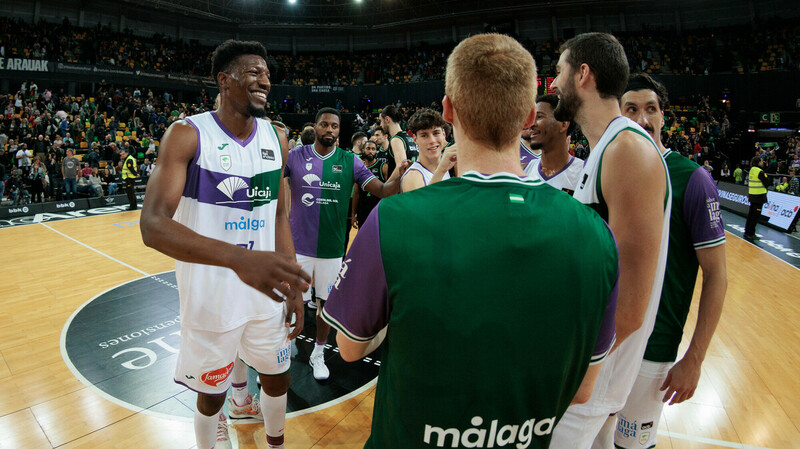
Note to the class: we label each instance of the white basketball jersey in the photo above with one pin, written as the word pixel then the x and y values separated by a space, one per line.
pixel 427 175
pixel 621 366
pixel 567 179
pixel 231 194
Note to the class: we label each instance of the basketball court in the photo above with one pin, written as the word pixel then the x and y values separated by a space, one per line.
pixel 88 334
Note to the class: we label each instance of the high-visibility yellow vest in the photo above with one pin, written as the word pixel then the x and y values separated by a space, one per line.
pixel 126 172
pixel 755 184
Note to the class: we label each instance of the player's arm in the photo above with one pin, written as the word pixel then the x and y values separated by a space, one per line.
pixel 284 244
pixel 683 378
pixel 587 385
pixel 388 188
pixel 602 347
pixel 446 162
pixel 352 350
pixel 385 171
pixel 356 198
pixel 262 270
pixel 398 149
pixel 358 304
pixel 412 181
pixel 634 184
pixel 701 217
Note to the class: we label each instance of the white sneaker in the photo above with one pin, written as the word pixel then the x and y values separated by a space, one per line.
pixel 317 362
pixel 223 442
pixel 250 409
pixel 312 304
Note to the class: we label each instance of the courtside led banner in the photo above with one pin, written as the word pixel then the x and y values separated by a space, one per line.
pixel 779 210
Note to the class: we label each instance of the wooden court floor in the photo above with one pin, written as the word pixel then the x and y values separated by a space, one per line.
pixel 748 397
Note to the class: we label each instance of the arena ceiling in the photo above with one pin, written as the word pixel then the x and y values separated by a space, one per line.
pixel 371 14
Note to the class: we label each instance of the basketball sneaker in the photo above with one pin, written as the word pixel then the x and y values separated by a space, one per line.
pixel 317 361
pixel 223 442
pixel 250 409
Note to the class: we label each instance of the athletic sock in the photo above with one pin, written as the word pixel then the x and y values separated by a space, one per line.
pixel 240 394
pixel 239 381
pixel 205 430
pixel 274 410
pixel 319 347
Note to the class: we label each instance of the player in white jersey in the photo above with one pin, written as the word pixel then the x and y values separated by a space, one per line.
pixel 427 129
pixel 625 179
pixel 214 203
pixel 556 167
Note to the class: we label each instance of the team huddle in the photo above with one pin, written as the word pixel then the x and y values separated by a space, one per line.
pixel 522 297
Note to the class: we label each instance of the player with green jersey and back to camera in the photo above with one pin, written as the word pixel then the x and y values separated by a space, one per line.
pixel 444 308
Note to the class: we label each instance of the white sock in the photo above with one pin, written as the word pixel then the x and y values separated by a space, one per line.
pixel 240 394
pixel 274 410
pixel 205 430
pixel 239 382
pixel 239 373
pixel 318 349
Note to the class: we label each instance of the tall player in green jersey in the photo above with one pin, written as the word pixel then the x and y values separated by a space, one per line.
pixel 696 238
pixel 321 179
pixel 468 361
pixel 401 146
pixel 625 179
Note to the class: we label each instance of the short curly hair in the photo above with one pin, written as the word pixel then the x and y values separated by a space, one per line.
pixel 230 50
pixel 425 119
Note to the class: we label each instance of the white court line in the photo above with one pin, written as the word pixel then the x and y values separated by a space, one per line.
pixel 760 236
pixel 681 436
pixel 95 250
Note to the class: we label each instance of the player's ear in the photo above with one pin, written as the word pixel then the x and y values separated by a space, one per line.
pixel 447 110
pixel 531 118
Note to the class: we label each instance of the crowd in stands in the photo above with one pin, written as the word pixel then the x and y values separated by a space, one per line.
pixel 38 127
pixel 741 49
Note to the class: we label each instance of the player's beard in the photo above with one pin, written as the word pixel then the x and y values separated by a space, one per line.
pixel 326 141
pixel 536 146
pixel 369 157
pixel 255 111
pixel 568 104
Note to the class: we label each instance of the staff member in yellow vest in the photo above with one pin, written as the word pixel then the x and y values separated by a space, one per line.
pixel 757 181
pixel 129 174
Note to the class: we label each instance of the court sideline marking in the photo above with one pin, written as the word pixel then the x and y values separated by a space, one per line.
pixel 374 381
pixel 96 250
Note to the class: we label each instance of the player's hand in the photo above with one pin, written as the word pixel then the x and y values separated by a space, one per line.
pixel 401 169
pixel 681 381
pixel 294 305
pixel 267 271
pixel 448 159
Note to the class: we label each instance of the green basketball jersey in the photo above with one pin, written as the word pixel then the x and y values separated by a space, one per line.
pixel 695 223
pixel 321 188
pixel 490 331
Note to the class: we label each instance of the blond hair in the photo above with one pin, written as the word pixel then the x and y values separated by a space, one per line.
pixel 491 82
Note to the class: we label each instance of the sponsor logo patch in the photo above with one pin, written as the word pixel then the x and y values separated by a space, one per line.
pixel 267 154
pixel 307 199
pixel 225 162
pixel 217 376
pixel 336 168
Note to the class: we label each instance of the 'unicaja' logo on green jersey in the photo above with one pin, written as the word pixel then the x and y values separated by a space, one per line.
pixel 521 435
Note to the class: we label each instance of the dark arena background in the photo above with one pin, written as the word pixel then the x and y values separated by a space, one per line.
pixel 89 316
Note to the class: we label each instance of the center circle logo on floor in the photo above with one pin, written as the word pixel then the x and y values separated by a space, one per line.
pixel 124 344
